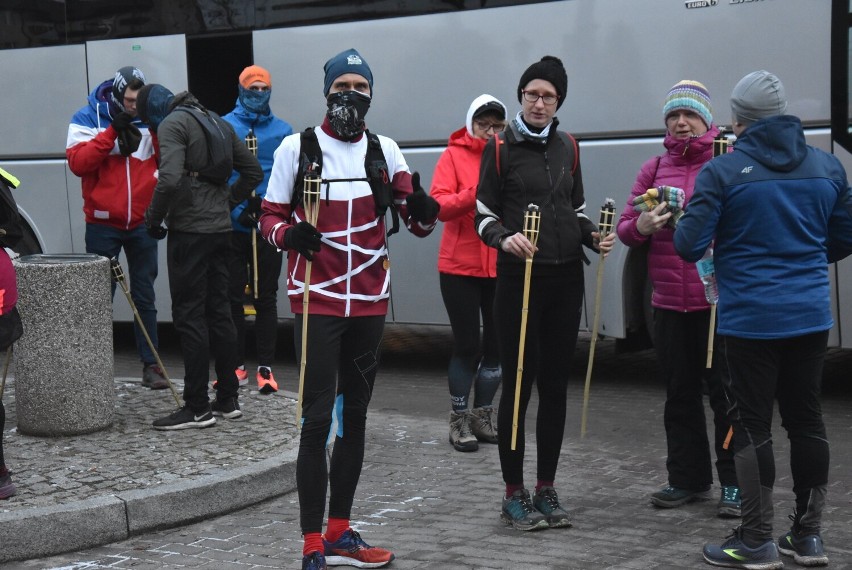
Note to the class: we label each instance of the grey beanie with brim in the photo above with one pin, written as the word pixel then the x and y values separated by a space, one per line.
pixel 758 95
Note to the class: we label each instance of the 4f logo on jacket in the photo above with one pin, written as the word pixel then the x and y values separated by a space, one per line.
pixel 746 170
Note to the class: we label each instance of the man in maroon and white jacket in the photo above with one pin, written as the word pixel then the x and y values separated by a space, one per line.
pixel 349 291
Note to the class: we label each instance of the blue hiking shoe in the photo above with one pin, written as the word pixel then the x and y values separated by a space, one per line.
pixel 730 504
pixel 314 561
pixel 806 549
pixel 669 497
pixel 734 553
pixel 351 550
pixel 518 511
pixel 546 502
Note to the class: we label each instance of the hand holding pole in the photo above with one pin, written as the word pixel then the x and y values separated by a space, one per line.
pixel 532 224
pixel 607 218
pixel 311 204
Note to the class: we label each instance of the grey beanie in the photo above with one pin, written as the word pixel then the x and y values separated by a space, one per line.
pixel 758 95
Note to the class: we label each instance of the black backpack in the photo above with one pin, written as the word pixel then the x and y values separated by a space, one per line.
pixel 375 165
pixel 11 227
pixel 220 151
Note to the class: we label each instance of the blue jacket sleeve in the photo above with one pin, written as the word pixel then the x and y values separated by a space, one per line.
pixel 840 228
pixel 696 228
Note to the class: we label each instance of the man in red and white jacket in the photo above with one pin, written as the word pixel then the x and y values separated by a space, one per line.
pixel 111 150
pixel 349 291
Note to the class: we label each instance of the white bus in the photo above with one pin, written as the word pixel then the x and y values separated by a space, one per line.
pixel 429 60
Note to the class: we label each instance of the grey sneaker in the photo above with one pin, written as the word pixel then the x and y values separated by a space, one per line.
pixel 546 502
pixel 460 435
pixel 483 424
pixel 153 377
pixel 519 512
pixel 7 488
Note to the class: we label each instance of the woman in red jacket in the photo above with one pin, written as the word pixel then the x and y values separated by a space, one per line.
pixel 468 273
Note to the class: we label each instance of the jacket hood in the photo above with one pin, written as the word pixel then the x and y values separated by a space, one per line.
pixel 99 100
pixel 686 151
pixel 776 142
pixel 479 102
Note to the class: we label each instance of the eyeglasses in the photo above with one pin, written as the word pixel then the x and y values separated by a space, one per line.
pixel 495 127
pixel 531 97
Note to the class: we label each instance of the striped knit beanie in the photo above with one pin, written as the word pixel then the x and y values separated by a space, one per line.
pixel 690 95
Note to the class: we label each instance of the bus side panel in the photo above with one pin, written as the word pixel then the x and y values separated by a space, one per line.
pixel 841 334
pixel 43 199
pixel 161 58
pixel 43 89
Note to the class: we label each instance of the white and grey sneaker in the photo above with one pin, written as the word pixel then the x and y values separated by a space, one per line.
pixel 185 418
pixel 228 408
pixel 460 435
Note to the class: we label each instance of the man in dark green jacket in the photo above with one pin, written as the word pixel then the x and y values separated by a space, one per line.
pixel 196 208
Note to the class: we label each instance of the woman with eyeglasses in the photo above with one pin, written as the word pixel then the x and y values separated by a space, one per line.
pixel 534 164
pixel 467 269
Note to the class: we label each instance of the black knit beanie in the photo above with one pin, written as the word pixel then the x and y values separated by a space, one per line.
pixel 550 68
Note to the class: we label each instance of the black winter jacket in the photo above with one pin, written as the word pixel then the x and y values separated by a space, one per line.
pixel 538 174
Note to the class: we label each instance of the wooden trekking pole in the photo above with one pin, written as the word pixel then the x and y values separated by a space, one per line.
pixel 604 228
pixel 118 276
pixel 532 224
pixel 251 144
pixel 311 204
pixel 5 370
pixel 720 147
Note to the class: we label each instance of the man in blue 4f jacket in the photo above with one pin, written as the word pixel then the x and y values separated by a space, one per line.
pixel 780 212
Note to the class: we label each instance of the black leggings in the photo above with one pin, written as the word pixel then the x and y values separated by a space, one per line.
pixel 341 364
pixel 553 319
pixel 466 298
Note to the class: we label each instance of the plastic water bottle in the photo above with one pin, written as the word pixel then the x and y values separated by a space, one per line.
pixel 707 273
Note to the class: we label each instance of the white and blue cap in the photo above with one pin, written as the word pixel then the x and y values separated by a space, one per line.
pixel 349 61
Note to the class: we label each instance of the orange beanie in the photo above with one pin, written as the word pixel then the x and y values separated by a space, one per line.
pixel 254 73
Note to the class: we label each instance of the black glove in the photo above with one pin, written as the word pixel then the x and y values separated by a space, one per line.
pixel 253 205
pixel 421 206
pixel 128 140
pixel 304 238
pixel 122 121
pixel 156 232
pixel 247 218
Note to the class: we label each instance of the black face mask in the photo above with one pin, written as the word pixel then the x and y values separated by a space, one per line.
pixel 346 111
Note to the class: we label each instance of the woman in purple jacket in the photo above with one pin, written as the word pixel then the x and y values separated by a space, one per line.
pixel 681 311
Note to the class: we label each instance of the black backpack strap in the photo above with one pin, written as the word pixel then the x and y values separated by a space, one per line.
pixel 379 178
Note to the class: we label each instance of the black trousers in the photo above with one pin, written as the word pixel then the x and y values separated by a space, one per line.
pixel 340 370
pixel 681 345
pixel 759 371
pixel 241 263
pixel 551 337
pixel 198 282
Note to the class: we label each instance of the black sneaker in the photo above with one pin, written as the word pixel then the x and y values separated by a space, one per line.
pixel 228 408
pixel 669 497
pixel 519 512
pixel 185 418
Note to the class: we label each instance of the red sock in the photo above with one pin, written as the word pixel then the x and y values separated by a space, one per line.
pixel 512 488
pixel 541 483
pixel 313 543
pixel 336 528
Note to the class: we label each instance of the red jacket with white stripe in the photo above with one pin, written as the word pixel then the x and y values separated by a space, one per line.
pixel 350 275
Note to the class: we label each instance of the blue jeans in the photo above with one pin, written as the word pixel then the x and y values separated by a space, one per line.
pixel 141 252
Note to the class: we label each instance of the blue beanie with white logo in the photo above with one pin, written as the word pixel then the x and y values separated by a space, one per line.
pixel 349 61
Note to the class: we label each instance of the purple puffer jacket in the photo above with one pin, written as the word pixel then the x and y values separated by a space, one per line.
pixel 677 286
